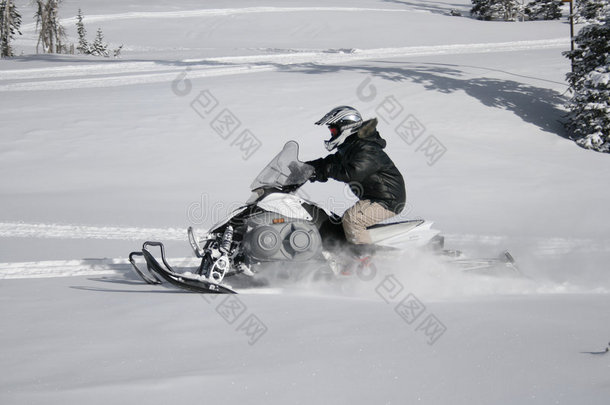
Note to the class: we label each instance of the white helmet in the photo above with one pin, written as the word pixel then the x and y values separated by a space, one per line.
pixel 342 122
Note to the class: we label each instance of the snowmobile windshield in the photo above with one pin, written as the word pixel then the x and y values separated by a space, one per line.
pixel 284 170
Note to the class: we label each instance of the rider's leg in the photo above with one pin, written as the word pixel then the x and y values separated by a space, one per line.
pixel 360 216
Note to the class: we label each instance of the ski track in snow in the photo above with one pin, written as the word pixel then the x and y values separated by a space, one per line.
pixel 25 230
pixel 66 268
pixel 113 73
pixel 211 12
pixel 71 268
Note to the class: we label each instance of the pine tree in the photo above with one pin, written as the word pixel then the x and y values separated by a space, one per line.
pixel 589 117
pixel 83 45
pixel 99 48
pixel 10 21
pixel 544 10
pixel 591 11
pixel 590 111
pixel 506 10
pixel 481 9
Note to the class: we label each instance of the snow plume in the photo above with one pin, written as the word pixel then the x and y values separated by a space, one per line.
pixel 429 277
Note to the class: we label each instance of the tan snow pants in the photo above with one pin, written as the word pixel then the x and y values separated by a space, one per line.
pixel 361 215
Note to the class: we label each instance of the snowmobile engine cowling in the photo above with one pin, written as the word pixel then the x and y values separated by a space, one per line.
pixel 269 240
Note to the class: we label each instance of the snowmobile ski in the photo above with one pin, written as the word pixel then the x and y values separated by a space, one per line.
pixel 193 283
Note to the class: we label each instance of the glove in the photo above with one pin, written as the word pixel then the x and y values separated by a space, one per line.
pixel 319 172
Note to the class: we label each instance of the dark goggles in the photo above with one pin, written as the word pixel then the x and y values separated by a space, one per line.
pixel 334 130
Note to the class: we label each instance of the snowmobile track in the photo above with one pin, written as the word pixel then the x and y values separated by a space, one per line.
pixel 119 73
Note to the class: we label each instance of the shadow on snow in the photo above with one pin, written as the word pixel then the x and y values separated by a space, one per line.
pixel 536 105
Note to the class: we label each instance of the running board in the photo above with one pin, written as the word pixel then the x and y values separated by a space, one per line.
pixel 505 262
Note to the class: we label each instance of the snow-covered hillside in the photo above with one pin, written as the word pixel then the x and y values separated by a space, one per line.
pixel 98 155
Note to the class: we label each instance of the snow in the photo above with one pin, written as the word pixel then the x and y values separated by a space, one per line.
pixel 599 78
pixel 98 155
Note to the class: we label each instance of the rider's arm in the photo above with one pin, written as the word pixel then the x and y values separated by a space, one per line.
pixel 322 167
pixel 359 167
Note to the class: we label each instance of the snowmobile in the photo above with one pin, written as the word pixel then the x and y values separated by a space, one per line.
pixel 278 227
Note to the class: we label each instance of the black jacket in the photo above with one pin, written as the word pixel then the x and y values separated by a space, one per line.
pixel 361 162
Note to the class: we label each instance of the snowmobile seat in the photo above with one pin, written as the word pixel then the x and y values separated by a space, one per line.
pixel 380 232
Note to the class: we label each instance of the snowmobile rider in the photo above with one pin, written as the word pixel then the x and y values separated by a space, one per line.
pixel 361 162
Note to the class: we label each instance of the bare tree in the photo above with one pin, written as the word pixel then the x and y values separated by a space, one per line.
pixel 51 32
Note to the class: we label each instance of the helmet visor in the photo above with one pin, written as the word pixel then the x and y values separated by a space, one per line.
pixel 334 130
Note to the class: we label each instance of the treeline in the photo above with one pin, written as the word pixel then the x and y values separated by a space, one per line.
pixel 51 33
